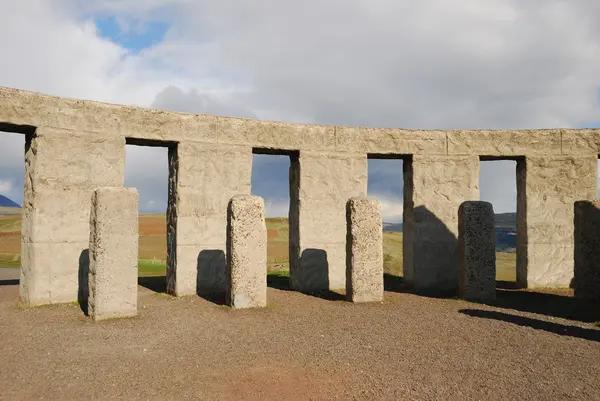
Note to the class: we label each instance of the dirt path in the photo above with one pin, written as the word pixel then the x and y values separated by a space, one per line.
pixel 304 347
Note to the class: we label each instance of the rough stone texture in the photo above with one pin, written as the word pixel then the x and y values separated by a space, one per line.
pixel 91 117
pixel 477 251
pixel 275 135
pixel 390 141
pixel 75 146
pixel 586 280
pixel 435 186
pixel 204 177
pixel 505 142
pixel 547 189
pixel 321 184
pixel 113 253
pixel 62 169
pixel 364 253
pixel 581 142
pixel 246 252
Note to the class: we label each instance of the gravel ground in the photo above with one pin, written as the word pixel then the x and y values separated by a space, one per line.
pixel 527 346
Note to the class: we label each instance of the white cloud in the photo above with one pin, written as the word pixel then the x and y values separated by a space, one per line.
pixel 430 63
pixel 391 208
pixel 277 208
pixel 5 186
pixel 498 185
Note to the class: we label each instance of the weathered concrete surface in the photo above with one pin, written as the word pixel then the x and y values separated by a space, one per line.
pixel 477 251
pixel 62 169
pixel 206 176
pixel 581 142
pixel 246 252
pixel 275 135
pixel 547 190
pixel 320 185
pixel 364 252
pixel 389 141
pixel 113 253
pixel 586 282
pixel 505 142
pixel 435 186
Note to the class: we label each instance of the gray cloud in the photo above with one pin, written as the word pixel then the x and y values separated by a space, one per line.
pixel 174 99
pixel 410 64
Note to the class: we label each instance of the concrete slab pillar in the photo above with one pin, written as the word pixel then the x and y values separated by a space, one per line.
pixel 204 177
pixel 364 252
pixel 320 185
pixel 587 250
pixel 477 251
pixel 246 252
pixel 547 188
pixel 435 186
pixel 113 253
pixel 62 169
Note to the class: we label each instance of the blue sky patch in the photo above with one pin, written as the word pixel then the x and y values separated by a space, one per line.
pixel 131 34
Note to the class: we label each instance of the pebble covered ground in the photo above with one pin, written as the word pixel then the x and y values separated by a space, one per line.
pixel 527 346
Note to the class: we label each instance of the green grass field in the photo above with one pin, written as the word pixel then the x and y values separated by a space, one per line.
pixel 153 249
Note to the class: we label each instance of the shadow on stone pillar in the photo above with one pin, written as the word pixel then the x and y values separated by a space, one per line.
pixel 586 279
pixel 212 275
pixel 314 269
pixel 83 292
pixel 434 253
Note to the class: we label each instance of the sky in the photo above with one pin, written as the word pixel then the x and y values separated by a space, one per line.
pixel 464 64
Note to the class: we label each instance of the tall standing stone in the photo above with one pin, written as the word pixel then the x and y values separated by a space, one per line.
pixel 320 185
pixel 587 249
pixel 63 167
pixel 435 186
pixel 246 252
pixel 364 250
pixel 113 253
pixel 548 187
pixel 477 253
pixel 204 177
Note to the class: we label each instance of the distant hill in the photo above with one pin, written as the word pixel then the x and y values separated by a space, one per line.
pixel 506 231
pixel 5 202
pixel 392 227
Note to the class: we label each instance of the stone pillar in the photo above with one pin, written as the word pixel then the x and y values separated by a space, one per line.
pixel 547 188
pixel 320 185
pixel 364 252
pixel 246 252
pixel 435 186
pixel 477 251
pixel 204 177
pixel 113 253
pixel 587 250
pixel 62 169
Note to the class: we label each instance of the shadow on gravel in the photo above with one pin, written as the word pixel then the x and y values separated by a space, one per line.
pixel 394 283
pixel 556 328
pixel 217 298
pixel 158 284
pixel 154 283
pixel 397 284
pixel 283 283
pixel 508 285
pixel 548 304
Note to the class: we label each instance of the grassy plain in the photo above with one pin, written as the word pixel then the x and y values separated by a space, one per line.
pixel 153 248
